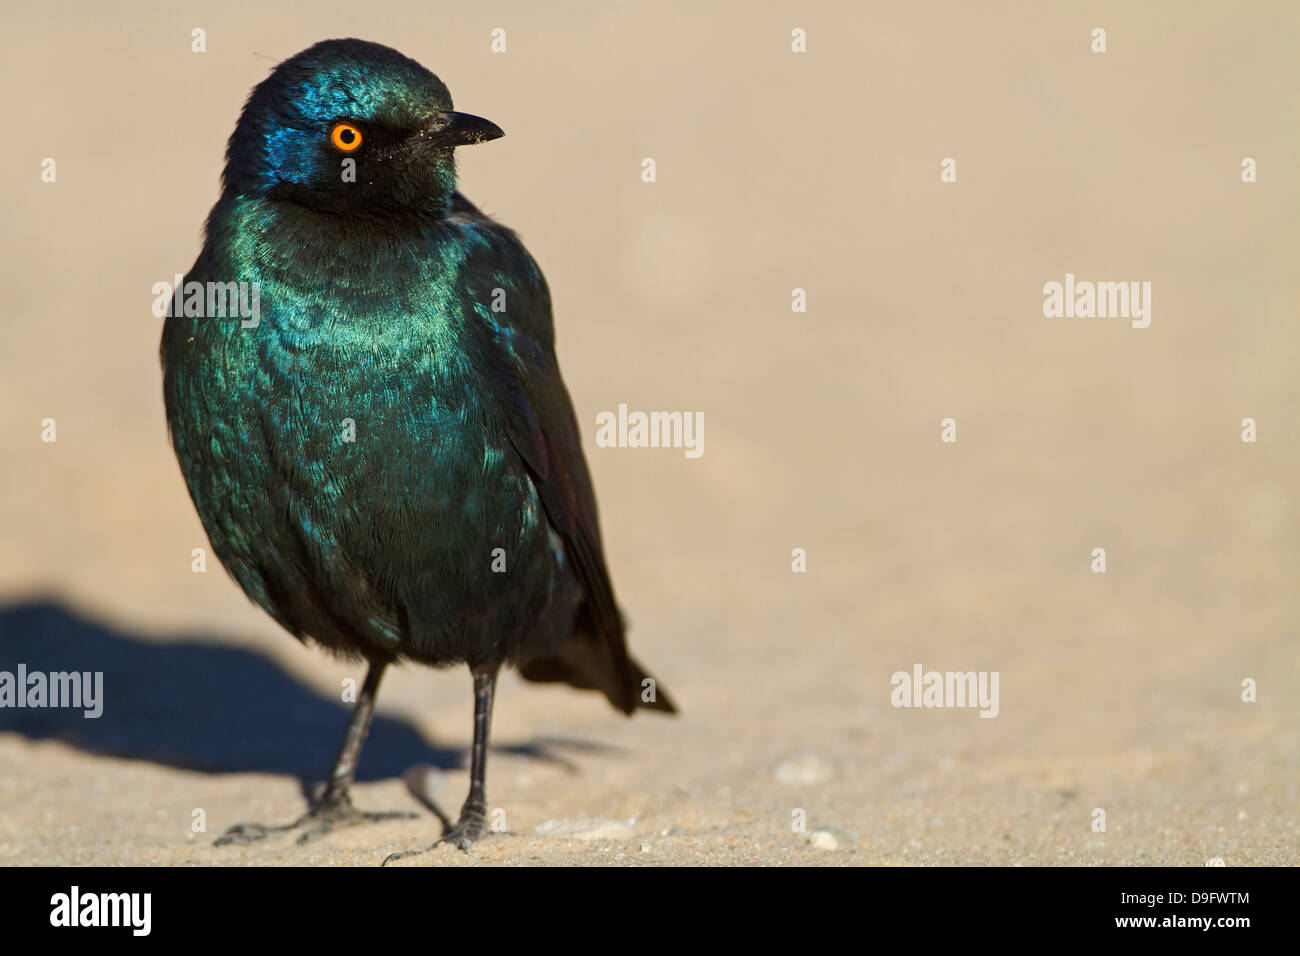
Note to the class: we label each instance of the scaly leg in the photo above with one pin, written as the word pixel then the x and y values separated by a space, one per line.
pixel 473 815
pixel 333 808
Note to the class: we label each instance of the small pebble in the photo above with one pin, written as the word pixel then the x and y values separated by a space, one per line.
pixel 831 838
pixel 586 829
pixel 807 767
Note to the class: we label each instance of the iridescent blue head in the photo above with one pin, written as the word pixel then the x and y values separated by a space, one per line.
pixel 352 128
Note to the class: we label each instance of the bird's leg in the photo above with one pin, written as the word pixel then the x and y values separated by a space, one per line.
pixel 333 807
pixel 473 815
pixel 337 796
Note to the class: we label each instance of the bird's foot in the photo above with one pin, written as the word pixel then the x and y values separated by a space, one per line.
pixel 469 829
pixel 333 811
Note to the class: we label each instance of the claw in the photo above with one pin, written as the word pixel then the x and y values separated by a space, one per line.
pixel 330 814
pixel 467 831
pixel 245 833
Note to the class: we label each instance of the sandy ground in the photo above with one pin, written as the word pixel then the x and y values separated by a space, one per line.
pixel 1118 691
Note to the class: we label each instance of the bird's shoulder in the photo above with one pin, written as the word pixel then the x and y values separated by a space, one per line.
pixel 498 273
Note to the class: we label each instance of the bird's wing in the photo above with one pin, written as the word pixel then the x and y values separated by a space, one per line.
pixel 521 370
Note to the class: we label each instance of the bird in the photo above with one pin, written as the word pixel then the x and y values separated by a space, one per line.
pixel 385 457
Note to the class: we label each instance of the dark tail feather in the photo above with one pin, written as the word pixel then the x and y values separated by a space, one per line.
pixel 587 663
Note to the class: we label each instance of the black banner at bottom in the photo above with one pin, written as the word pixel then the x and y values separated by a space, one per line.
pixel 219 905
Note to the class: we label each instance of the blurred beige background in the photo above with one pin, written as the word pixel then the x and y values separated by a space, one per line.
pixel 775 170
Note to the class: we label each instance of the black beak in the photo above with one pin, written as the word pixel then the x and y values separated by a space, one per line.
pixel 459 129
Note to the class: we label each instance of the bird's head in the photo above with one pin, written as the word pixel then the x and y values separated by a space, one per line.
pixel 352 128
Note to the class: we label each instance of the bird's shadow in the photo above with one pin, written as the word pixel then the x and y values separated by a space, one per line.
pixel 195 703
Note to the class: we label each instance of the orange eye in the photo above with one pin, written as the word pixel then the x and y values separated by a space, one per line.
pixel 345 136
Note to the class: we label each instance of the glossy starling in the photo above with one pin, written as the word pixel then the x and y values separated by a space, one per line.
pixel 378 440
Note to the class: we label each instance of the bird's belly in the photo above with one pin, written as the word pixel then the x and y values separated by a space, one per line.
pixel 375 520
